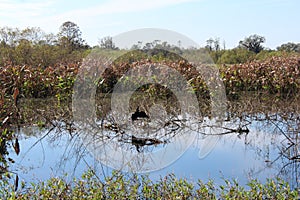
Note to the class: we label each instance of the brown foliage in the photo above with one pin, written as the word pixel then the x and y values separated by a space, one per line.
pixel 275 75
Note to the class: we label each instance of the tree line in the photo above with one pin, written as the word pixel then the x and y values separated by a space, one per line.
pixel 248 49
pixel 32 46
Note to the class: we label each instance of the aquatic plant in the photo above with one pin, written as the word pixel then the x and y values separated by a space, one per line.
pixel 133 186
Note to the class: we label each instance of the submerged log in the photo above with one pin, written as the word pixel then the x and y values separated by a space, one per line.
pixel 140 142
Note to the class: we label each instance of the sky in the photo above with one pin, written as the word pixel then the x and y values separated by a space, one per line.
pixel 229 20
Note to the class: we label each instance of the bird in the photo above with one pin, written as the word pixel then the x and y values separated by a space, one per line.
pixel 138 142
pixel 139 114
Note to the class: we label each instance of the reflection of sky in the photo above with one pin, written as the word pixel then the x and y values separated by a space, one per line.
pixel 48 158
pixel 230 158
pixel 117 156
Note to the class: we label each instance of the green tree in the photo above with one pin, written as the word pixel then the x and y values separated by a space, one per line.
pixel 289 47
pixel 70 36
pixel 107 43
pixel 253 43
pixel 33 35
pixel 235 56
pixel 23 52
pixel 9 38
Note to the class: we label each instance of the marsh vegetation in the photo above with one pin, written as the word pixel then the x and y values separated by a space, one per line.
pixel 45 132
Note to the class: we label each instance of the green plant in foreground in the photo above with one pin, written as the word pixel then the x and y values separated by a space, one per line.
pixel 132 186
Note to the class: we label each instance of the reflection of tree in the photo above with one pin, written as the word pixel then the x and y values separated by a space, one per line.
pixel 268 128
pixel 152 136
pixel 271 129
pixel 141 137
pixel 136 138
pixel 49 125
pixel 284 142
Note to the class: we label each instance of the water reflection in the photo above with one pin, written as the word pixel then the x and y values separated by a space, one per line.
pixel 252 144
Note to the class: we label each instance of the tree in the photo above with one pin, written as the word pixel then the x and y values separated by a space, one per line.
pixel 217 44
pixel 24 51
pixel 148 45
pixel 289 47
pixel 253 43
pixel 70 36
pixel 209 44
pixel 33 35
pixel 236 56
pixel 213 44
pixel 224 45
pixel 32 46
pixel 107 43
pixel 9 36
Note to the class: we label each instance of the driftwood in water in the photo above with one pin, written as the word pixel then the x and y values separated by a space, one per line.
pixel 139 142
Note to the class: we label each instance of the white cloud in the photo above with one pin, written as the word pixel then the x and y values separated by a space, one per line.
pixel 137 5
pixel 115 7
pixel 34 8
pixel 124 6
pixel 21 9
pixel 50 14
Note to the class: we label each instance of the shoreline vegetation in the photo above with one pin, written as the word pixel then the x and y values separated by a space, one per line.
pixel 133 186
pixel 47 66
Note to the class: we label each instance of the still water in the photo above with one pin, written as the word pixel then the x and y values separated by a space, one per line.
pixel 249 144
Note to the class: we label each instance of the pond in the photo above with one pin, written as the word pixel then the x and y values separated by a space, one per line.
pixel 257 139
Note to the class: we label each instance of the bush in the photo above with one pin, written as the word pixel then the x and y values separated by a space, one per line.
pixel 279 75
pixel 235 56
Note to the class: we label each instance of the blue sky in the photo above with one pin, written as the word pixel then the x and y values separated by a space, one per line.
pixel 229 20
